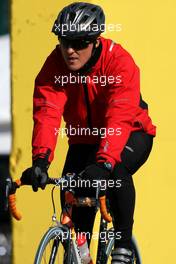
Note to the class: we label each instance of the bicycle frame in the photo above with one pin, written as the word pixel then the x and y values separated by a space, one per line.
pixel 70 201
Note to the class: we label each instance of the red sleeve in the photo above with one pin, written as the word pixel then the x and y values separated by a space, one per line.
pixel 48 106
pixel 122 106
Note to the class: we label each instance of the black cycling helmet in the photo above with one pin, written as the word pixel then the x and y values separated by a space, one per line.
pixel 80 20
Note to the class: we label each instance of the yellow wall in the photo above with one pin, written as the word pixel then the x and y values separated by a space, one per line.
pixel 148 33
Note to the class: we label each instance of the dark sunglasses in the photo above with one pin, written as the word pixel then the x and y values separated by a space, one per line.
pixel 75 44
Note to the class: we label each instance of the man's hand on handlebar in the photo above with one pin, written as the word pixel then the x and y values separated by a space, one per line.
pixel 37 175
pixel 97 172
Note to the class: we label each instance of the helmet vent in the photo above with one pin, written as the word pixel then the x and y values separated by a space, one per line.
pixel 72 16
pixel 94 21
pixel 82 7
pixel 93 9
pixel 84 19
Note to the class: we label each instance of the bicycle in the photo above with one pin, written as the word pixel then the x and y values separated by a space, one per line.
pixel 63 250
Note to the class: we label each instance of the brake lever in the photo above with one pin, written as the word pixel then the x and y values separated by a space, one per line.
pixel 8 187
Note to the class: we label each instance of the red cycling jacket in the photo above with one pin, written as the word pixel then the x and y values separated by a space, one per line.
pixel 103 107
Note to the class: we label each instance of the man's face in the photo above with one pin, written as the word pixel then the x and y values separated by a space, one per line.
pixel 75 53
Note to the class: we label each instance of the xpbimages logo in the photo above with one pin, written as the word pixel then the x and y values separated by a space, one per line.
pixel 71 27
pixel 86 131
pixel 103 80
pixel 104 236
pixel 81 183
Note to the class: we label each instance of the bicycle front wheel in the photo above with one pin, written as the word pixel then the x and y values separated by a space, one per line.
pixel 52 247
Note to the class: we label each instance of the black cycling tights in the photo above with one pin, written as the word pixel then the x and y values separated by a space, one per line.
pixel 121 198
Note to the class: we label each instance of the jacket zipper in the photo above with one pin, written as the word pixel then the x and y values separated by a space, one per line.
pixel 86 96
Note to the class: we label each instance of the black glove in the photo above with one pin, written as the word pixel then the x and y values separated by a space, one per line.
pixel 37 175
pixel 97 172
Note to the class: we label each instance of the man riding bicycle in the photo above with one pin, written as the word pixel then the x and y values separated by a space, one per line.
pixel 70 85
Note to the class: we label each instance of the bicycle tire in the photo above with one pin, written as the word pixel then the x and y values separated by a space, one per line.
pixel 110 245
pixel 136 250
pixel 54 235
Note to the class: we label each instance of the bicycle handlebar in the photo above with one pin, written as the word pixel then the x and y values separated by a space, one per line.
pixel 12 202
pixel 57 181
